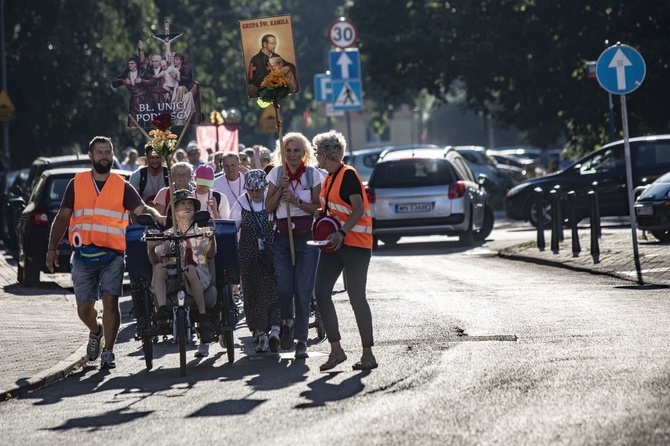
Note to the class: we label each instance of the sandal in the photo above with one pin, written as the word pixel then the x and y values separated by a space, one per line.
pixel 262 344
pixel 334 359
pixel 366 363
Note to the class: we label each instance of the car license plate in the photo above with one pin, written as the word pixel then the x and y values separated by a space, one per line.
pixel 412 207
pixel 644 210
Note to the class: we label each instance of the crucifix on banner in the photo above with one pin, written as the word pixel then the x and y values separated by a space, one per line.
pixel 167 37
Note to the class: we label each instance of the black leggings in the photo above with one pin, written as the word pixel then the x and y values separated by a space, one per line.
pixel 354 261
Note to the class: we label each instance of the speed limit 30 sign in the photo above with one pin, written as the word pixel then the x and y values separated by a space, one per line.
pixel 342 33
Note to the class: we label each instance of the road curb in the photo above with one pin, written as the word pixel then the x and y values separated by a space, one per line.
pixel 59 371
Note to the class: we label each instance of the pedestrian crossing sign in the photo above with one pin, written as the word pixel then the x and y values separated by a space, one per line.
pixel 347 95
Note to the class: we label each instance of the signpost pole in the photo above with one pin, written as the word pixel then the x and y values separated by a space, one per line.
pixel 6 160
pixel 629 184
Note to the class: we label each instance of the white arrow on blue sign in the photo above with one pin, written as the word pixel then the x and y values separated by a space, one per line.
pixel 345 64
pixel 620 69
pixel 323 91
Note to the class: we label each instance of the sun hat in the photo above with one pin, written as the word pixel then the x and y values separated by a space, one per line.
pixel 255 179
pixel 185 194
pixel 204 175
pixel 322 228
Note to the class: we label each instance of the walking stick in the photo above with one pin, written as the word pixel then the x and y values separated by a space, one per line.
pixel 288 206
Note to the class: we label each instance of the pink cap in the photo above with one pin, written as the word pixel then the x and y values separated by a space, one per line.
pixel 204 175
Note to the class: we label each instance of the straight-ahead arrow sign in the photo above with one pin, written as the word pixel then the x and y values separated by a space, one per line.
pixel 344 65
pixel 620 62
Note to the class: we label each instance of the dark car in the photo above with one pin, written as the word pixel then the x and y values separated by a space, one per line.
pixel 427 191
pixel 14 182
pixel 34 225
pixel 652 208
pixel 650 158
pixel 22 194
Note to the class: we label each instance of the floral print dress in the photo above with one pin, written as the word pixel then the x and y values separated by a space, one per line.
pixel 261 299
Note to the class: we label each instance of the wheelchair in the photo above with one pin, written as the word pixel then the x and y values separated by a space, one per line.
pixel 221 309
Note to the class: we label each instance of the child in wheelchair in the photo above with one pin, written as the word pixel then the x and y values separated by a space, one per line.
pixel 197 254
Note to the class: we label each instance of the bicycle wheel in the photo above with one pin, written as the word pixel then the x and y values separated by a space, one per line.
pixel 181 335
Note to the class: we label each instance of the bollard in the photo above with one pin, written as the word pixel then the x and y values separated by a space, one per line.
pixel 558 212
pixel 572 202
pixel 595 247
pixel 554 222
pixel 540 218
pixel 597 209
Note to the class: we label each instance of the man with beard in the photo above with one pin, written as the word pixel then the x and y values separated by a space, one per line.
pixel 95 210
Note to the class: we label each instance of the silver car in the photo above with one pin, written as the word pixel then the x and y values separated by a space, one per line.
pixel 427 191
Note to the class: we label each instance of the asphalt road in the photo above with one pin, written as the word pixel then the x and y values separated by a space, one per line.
pixel 473 349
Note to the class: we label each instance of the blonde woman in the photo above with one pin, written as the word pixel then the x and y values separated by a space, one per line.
pixel 295 182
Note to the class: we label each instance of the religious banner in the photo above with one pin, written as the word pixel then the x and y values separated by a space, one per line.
pixel 267 44
pixel 160 81
pixel 228 138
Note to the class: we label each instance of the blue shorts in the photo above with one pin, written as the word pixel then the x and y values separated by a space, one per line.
pixel 91 282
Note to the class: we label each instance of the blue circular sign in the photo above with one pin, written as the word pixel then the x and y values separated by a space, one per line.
pixel 620 69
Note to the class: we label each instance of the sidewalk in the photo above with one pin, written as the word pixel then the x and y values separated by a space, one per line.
pixel 41 336
pixel 43 340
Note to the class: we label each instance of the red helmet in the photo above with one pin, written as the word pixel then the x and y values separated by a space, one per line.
pixel 322 228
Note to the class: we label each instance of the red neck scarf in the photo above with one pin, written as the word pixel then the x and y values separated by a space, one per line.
pixel 298 173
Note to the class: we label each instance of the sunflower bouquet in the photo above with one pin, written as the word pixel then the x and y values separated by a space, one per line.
pixel 163 140
pixel 274 88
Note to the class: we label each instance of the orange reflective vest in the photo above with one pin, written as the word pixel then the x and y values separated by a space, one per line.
pixel 361 234
pixel 98 220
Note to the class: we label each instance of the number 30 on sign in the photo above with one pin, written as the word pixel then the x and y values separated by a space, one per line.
pixel 342 33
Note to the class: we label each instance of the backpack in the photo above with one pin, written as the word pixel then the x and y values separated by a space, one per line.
pixel 143 178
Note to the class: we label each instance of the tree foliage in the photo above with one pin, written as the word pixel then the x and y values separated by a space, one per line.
pixel 522 61
pixel 62 55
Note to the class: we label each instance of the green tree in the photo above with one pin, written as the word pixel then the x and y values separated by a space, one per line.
pixel 60 56
pixel 521 61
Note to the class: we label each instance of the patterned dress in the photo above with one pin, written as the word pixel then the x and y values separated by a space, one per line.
pixel 261 300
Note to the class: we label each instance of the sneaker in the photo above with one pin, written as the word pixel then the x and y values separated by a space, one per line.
pixel 203 351
pixel 94 344
pixel 206 332
pixel 301 350
pixel 286 337
pixel 262 344
pixel 274 342
pixel 107 359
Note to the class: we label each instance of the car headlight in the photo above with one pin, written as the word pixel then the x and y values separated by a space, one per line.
pixel 516 189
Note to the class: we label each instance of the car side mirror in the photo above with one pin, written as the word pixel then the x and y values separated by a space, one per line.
pixel 484 181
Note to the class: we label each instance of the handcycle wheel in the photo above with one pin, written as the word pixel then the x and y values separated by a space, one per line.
pixel 181 335
pixel 148 348
pixel 230 345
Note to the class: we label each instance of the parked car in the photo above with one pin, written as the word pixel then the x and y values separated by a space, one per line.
pixel 34 225
pixel 652 208
pixel 364 160
pixel 14 181
pixel 650 158
pixel 22 193
pixel 501 178
pixel 427 191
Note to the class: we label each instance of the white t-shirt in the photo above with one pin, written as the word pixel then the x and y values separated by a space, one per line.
pixel 231 189
pixel 300 190
pixel 243 203
pixel 224 208
pixel 154 183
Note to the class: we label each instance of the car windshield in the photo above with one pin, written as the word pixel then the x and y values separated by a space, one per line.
pixel 413 173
